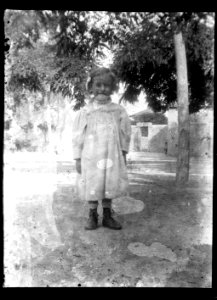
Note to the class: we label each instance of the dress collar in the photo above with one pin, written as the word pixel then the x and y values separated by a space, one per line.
pixel 102 103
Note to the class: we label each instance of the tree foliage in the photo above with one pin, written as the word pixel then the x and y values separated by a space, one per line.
pixel 146 61
pixel 51 50
pixel 56 49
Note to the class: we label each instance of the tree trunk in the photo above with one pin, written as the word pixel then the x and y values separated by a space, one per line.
pixel 48 121
pixel 30 117
pixel 182 169
pixel 120 100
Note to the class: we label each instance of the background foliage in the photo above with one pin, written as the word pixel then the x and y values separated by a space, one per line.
pixel 51 52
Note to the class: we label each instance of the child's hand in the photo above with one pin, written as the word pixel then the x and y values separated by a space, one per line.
pixel 124 155
pixel 78 166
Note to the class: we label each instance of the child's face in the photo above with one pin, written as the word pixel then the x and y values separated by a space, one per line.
pixel 102 86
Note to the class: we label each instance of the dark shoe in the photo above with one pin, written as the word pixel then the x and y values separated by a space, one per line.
pixel 92 221
pixel 108 221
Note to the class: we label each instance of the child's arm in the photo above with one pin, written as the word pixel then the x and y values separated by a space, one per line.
pixel 78 132
pixel 125 132
pixel 78 165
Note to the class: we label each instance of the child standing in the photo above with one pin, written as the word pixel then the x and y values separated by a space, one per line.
pixel 101 137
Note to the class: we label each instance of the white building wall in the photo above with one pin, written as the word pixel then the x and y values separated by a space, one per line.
pixel 201 133
pixel 164 138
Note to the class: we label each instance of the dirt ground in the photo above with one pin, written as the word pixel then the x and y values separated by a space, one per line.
pixel 166 240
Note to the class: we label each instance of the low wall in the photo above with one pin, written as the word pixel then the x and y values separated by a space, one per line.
pixel 155 141
pixel 201 133
pixel 201 137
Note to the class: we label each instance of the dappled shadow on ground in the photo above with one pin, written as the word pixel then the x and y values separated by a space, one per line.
pixel 198 270
pixel 177 218
pixel 55 250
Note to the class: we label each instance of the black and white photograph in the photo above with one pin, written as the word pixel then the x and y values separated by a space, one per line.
pixel 108 149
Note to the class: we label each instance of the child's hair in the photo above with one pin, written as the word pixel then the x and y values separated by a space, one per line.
pixel 99 72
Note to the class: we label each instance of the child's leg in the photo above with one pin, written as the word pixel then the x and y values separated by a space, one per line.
pixel 93 204
pixel 107 203
pixel 92 221
pixel 108 220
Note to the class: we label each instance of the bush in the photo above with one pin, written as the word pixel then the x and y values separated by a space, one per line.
pixel 21 144
pixel 15 138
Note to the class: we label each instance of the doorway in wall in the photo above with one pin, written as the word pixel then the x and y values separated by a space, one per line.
pixel 144 137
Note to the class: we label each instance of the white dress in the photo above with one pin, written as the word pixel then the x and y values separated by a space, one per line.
pixel 100 134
